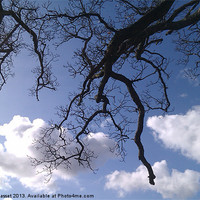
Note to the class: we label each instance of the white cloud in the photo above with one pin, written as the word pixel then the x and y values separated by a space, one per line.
pixel 179 132
pixel 19 134
pixel 4 181
pixel 174 185
pixel 124 182
pixel 18 145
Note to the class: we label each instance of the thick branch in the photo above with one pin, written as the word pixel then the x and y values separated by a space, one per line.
pixel 140 124
pixel 152 16
pixel 189 20
pixel 182 8
pixel 1 12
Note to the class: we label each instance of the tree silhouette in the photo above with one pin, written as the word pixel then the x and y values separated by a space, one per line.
pixel 118 51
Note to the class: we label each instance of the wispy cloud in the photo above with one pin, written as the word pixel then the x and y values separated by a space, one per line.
pixel 19 134
pixel 189 74
pixel 106 123
pixel 172 185
pixel 183 95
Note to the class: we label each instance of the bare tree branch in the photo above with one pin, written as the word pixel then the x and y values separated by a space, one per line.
pixel 113 53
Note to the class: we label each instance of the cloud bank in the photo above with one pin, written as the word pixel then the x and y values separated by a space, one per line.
pixel 172 185
pixel 17 143
pixel 179 132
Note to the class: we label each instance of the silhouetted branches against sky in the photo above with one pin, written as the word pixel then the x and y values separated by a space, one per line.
pixel 117 52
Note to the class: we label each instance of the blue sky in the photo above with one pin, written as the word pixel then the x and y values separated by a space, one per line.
pixel 171 141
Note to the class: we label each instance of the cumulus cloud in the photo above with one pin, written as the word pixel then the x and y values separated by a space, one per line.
pixel 179 132
pixel 124 182
pixel 14 163
pixel 18 136
pixel 173 185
